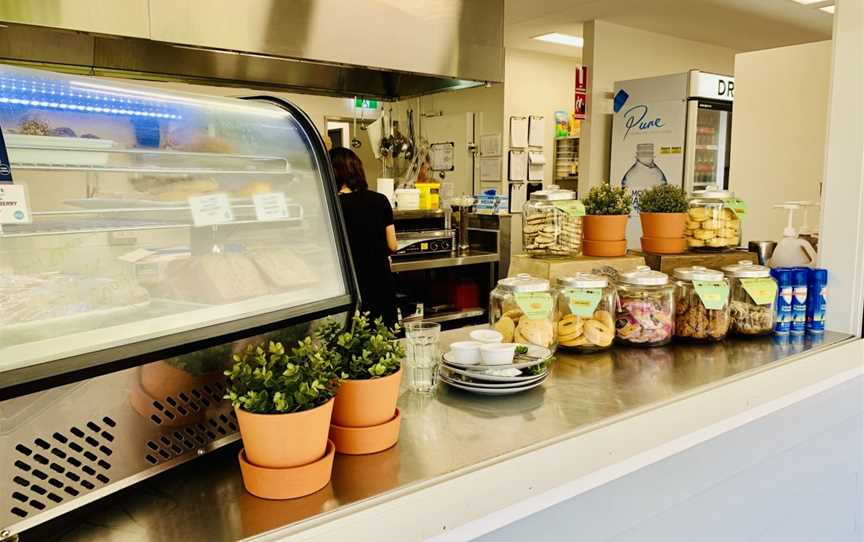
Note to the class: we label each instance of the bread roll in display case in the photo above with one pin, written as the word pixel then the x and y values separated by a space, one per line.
pixel 166 231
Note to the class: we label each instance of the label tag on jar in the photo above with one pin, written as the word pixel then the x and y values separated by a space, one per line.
pixel 713 294
pixel 583 301
pixel 535 305
pixel 737 206
pixel 763 291
pixel 573 207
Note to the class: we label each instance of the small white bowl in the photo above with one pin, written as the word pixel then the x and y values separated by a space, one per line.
pixel 498 353
pixel 466 352
pixel 486 336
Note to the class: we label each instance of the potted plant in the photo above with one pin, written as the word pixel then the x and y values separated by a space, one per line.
pixel 365 417
pixel 663 212
pixel 605 223
pixel 284 400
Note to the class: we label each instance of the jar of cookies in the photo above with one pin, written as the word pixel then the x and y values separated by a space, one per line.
pixel 701 304
pixel 645 308
pixel 523 308
pixel 752 298
pixel 552 224
pixel 712 224
pixel 586 303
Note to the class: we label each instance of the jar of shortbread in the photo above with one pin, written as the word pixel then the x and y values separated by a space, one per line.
pixel 713 223
pixel 552 224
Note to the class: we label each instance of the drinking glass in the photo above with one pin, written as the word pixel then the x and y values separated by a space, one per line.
pixel 422 353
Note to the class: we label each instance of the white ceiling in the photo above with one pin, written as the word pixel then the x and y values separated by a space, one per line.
pixel 743 25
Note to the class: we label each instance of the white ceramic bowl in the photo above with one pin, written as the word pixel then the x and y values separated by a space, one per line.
pixel 486 336
pixel 466 352
pixel 497 353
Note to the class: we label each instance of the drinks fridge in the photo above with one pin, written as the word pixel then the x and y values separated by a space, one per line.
pixel 671 129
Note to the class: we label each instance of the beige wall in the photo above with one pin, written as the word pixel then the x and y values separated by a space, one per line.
pixel 616 53
pixel 778 132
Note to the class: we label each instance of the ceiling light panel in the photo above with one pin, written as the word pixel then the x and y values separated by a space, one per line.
pixel 561 39
pixel 828 9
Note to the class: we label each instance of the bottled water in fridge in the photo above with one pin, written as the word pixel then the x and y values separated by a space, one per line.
pixel 644 173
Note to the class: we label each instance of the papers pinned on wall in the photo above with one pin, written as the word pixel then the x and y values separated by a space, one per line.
pixel 519 132
pixel 536 125
pixel 490 145
pixel 518 170
pixel 490 168
pixel 442 156
pixel 536 161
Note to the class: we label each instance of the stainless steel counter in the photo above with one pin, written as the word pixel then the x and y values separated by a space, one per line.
pixel 437 262
pixel 442 436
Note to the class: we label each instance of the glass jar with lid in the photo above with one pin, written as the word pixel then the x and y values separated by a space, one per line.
pixel 752 298
pixel 552 223
pixel 713 223
pixel 645 309
pixel 523 309
pixel 586 303
pixel 701 303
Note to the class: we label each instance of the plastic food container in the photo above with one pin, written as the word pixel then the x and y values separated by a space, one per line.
pixel 711 224
pixel 523 310
pixel 645 309
pixel 552 224
pixel 752 298
pixel 701 304
pixel 586 305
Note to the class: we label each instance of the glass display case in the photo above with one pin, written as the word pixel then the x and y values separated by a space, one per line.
pixel 158 221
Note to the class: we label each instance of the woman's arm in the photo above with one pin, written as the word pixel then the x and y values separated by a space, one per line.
pixel 391 238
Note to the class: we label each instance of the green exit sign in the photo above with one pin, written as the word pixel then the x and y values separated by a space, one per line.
pixel 365 104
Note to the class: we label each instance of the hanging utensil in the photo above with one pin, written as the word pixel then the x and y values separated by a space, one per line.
pixel 355 142
pixel 409 152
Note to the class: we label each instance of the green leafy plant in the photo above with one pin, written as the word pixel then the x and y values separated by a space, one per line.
pixel 605 200
pixel 267 379
pixel 365 349
pixel 662 198
pixel 201 362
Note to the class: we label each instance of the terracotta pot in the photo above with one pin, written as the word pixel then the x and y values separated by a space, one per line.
pixel 279 441
pixel 604 227
pixel 364 403
pixel 604 248
pixel 663 225
pixel 287 483
pixel 655 245
pixel 161 379
pixel 366 440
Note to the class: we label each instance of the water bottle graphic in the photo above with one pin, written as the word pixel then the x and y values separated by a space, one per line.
pixel 644 173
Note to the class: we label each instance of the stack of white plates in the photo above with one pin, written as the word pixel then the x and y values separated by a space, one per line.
pixel 525 373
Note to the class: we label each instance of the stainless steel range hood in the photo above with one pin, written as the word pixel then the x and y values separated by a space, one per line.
pixel 387 49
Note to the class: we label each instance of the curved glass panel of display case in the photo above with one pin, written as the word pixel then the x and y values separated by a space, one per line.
pixel 156 219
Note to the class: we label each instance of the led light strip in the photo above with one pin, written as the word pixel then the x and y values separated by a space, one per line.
pixel 88 108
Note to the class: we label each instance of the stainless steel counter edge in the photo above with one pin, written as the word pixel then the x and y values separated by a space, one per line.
pixel 400 265
pixel 322 527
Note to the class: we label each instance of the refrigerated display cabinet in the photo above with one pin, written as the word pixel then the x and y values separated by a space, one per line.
pixel 166 231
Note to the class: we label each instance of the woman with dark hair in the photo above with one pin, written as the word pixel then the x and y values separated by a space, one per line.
pixel 371 234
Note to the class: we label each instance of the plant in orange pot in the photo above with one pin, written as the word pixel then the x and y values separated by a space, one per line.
pixel 284 399
pixel 605 223
pixel 365 417
pixel 663 212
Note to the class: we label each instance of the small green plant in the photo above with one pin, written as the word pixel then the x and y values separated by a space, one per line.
pixel 605 200
pixel 267 379
pixel 663 198
pixel 364 349
pixel 202 362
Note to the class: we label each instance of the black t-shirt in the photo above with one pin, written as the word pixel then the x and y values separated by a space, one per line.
pixel 367 215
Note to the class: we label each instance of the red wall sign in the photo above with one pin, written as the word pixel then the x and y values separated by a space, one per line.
pixel 581 95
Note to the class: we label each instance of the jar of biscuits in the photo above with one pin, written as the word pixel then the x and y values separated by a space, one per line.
pixel 586 303
pixel 752 298
pixel 712 224
pixel 552 224
pixel 701 304
pixel 645 310
pixel 523 309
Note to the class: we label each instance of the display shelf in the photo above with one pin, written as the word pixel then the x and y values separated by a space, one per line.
pixel 451 316
pixel 173 161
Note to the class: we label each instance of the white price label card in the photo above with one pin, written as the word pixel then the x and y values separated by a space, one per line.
pixel 271 206
pixel 211 209
pixel 14 208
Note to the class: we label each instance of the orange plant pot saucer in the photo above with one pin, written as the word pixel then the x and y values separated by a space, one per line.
pixel 604 248
pixel 366 440
pixel 661 245
pixel 287 483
